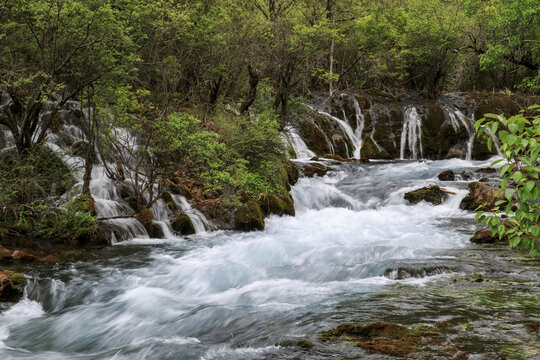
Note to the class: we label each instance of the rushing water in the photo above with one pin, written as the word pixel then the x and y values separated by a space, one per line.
pixel 230 295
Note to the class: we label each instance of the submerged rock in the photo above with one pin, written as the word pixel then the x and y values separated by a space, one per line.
pixel 249 217
pixel 272 204
pixel 183 225
pixel 386 338
pixel 432 194
pixel 447 175
pixel 11 285
pixel 466 175
pixel 481 195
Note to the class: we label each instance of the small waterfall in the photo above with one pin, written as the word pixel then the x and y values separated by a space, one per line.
pixel 458 120
pixel 360 119
pixel 299 146
pixel 347 129
pixel 411 134
pixel 200 222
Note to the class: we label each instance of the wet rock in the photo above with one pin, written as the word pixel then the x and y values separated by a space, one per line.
pixel 86 203
pixel 11 285
pixel 249 217
pixel 487 237
pixel 486 170
pixel 292 172
pixel 272 204
pixel 5 255
pixel 466 175
pixel 364 159
pixel 403 273
pixel 316 169
pixel 304 344
pixel 183 225
pixel 481 195
pixel 336 157
pixel 432 194
pixel 129 197
pixel 447 175
pixel 371 150
pixel 49 259
pixel 24 257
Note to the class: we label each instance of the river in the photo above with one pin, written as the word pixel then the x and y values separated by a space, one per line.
pixel 231 295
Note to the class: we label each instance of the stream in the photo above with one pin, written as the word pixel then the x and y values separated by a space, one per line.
pixel 231 295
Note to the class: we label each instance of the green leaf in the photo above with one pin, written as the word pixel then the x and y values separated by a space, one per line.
pixel 509 193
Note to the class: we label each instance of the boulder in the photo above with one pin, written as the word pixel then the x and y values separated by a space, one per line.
pixel 249 217
pixel 486 170
pixel 167 197
pixel 272 204
pixel 466 175
pixel 146 217
pixel 292 172
pixel 432 194
pixel 183 225
pixel 481 195
pixel 316 169
pixel 447 175
pixel 487 237
pixel 11 285
pixel 5 255
pixel 24 257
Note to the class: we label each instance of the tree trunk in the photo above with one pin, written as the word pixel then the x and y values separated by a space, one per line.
pixel 252 95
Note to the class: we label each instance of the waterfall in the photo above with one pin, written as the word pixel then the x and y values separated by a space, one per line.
pixel 458 120
pixel 299 146
pixel 411 134
pixel 360 119
pixel 200 223
pixel 353 137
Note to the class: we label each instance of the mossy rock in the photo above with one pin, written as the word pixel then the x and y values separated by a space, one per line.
pixel 11 285
pixel 371 151
pixel 386 338
pixel 272 204
pixel 127 195
pixel 292 172
pixel 432 194
pixel 304 344
pixel 183 225
pixel 249 217
pixel 447 175
pixel 86 203
pixel 316 169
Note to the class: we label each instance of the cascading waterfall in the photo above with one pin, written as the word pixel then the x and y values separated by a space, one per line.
pixel 299 146
pixel 411 134
pixel 360 119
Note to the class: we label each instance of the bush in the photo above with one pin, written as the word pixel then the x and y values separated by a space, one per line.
pixel 519 136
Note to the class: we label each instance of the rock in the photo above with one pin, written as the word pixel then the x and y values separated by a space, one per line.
pixel 371 150
pixel 5 255
pixel 183 225
pixel 11 285
pixel 272 204
pixel 23 256
pixel 481 195
pixel 447 175
pixel 304 344
pixel 487 237
pixel 364 159
pixel 49 259
pixel 86 203
pixel 336 157
pixel 486 170
pixel 432 194
pixel 466 175
pixel 249 217
pixel 292 172
pixel 316 169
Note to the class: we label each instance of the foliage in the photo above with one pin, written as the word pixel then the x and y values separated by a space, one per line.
pixel 520 146
pixel 30 187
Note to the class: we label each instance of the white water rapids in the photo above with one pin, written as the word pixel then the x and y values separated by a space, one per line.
pixel 230 295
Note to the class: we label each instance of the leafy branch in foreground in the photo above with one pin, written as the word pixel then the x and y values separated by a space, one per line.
pixel 520 137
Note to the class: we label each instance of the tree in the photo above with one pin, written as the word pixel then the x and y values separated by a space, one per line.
pixel 520 138
pixel 52 50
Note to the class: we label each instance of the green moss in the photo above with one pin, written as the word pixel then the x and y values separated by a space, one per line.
pixel 167 197
pixel 432 194
pixel 183 225
pixel 272 204
pixel 304 344
pixel 249 217
pixel 11 285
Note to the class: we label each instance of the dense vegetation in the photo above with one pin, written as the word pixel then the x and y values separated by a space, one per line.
pixel 206 86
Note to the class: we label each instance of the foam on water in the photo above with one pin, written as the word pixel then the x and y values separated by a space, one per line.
pixel 228 295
